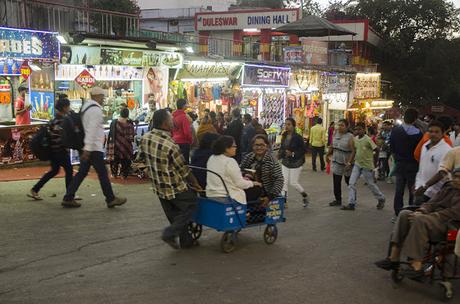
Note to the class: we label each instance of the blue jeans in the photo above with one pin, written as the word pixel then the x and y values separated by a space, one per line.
pixel 369 178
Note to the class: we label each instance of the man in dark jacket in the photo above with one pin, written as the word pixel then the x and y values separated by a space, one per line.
pixel 247 135
pixel 235 129
pixel 403 141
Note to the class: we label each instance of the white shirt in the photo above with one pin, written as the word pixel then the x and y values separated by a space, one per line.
pixel 229 170
pixel 429 166
pixel 93 123
pixel 455 140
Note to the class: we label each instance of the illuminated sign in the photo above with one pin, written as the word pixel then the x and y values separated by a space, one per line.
pixel 239 20
pixel 25 70
pixel 259 75
pixel 18 43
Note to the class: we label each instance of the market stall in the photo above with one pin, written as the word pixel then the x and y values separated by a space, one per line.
pixel 133 77
pixel 264 93
pixel 26 60
pixel 209 85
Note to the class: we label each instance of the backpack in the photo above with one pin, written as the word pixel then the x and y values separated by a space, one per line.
pixel 73 133
pixel 40 144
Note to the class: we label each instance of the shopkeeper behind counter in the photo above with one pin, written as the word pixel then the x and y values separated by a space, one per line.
pixel 117 102
pixel 22 109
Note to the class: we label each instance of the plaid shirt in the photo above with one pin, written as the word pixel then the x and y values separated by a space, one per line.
pixel 169 171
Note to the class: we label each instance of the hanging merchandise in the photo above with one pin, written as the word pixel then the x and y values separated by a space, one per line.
pixel 273 105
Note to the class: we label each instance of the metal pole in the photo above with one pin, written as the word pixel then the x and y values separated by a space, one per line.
pixel 301 9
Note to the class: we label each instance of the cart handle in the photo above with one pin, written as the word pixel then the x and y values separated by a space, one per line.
pixel 215 173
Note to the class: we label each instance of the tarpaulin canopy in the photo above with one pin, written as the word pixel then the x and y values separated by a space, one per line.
pixel 313 26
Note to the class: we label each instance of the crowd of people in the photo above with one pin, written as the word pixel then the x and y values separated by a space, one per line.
pixel 419 156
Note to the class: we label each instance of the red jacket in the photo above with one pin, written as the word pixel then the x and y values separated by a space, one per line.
pixel 182 131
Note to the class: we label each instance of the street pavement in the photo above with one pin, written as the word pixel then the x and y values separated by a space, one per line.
pixel 97 255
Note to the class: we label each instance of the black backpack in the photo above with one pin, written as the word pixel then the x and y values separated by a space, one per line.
pixel 40 144
pixel 73 133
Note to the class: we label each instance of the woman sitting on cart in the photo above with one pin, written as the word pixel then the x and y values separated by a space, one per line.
pixel 414 230
pixel 222 163
pixel 260 166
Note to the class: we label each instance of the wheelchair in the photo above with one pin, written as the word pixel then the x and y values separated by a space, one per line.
pixel 439 265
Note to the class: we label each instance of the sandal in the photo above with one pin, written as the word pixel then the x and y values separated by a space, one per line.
pixel 387 264
pixel 34 195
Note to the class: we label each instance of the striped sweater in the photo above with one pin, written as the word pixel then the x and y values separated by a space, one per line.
pixel 268 172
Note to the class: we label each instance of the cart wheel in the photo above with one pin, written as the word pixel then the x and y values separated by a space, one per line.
pixel 447 291
pixel 397 276
pixel 227 243
pixel 270 234
pixel 195 230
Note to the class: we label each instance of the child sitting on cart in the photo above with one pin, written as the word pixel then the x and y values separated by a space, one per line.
pixel 259 165
pixel 414 230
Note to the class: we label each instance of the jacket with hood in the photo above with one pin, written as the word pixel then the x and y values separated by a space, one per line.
pixel 182 132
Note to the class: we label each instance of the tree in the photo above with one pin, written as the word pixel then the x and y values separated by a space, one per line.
pixel 124 6
pixel 118 25
pixel 260 3
pixel 310 7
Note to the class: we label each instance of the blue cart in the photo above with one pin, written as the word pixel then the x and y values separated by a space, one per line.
pixel 228 216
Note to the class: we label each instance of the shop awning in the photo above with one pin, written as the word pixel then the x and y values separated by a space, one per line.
pixel 313 26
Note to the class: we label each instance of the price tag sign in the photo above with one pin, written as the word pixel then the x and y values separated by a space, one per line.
pixel 25 70
pixel 85 79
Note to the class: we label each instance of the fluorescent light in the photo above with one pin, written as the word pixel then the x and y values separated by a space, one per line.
pixel 61 39
pixel 34 67
pixel 205 79
pixel 251 30
pixel 189 49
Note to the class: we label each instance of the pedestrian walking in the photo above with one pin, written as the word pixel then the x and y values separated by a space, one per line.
pixel 433 153
pixel 170 175
pixel 182 133
pixel 249 131
pixel 93 152
pixel 403 141
pixel 120 144
pixel 339 155
pixel 292 156
pixel 317 143
pixel 59 154
pixel 235 130
pixel 364 164
pixel 385 151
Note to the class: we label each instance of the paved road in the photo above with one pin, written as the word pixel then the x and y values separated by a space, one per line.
pixel 96 255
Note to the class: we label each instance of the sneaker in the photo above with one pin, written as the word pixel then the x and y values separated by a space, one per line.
pixel 381 205
pixel 335 203
pixel 348 208
pixel 389 180
pixel 117 201
pixel 77 198
pixel 171 242
pixel 34 195
pixel 305 201
pixel 71 204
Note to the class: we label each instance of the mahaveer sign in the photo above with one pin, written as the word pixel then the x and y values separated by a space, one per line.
pixel 85 79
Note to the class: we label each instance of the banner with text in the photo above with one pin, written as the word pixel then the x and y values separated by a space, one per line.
pixel 28 44
pixel 367 86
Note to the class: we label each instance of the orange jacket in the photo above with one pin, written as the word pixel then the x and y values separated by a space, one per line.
pixel 426 137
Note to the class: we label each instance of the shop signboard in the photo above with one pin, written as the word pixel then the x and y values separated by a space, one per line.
pixel 315 52
pixel 25 70
pixel 209 70
pixel 85 79
pixel 83 55
pixel 265 76
pixel 239 20
pixel 294 54
pixel 28 44
pixel 337 83
pixel 367 86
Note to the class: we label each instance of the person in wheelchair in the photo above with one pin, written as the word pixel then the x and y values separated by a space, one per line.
pixel 414 230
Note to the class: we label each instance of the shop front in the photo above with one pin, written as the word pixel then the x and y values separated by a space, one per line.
pixel 135 78
pixel 211 85
pixel 264 93
pixel 27 60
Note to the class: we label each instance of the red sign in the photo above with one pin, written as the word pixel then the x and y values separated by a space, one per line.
pixel 25 70
pixel 85 79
